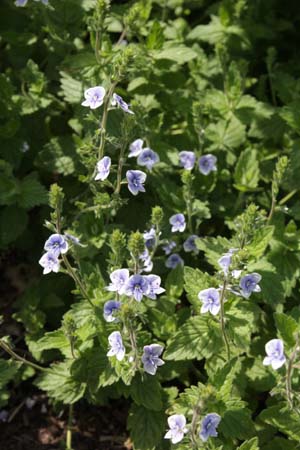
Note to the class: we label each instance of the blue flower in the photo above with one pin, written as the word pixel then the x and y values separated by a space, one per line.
pixel 189 245
pixel 75 240
pixel 135 148
pixel 178 223
pixel 249 284
pixel 56 244
pixel 187 159
pixel 109 309
pixel 146 258
pixel 224 262
pixel 151 358
pixel 137 286
pixel 274 350
pixel 150 238
pixel 116 345
pixel 154 286
pixel 24 2
pixel 103 168
pixel 136 180
pixel 209 426
pixel 117 100
pixel 94 97
pixel 211 301
pixel 49 262
pixel 118 279
pixel 177 424
pixel 207 164
pixel 169 247
pixel 148 158
pixel 173 261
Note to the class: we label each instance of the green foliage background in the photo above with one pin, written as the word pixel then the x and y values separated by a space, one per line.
pixel 213 77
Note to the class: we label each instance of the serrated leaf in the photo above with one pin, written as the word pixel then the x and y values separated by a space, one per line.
pixel 287 327
pixel 146 427
pixel 283 419
pixel 236 423
pixel 198 338
pixel 71 89
pixel 260 241
pixel 8 370
pixel 146 391
pixel 179 54
pixel 214 248
pixel 246 175
pixel 54 340
pixel 194 282
pixel 155 37
pixel 250 445
pixel 32 193
pixel 13 221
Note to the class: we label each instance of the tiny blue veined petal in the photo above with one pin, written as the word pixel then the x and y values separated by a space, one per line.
pixel 210 301
pixel 135 148
pixel 94 97
pixel 137 286
pixel 103 168
pixel 109 309
pixel 150 238
pixel 117 348
pixel 209 426
pixel 118 100
pixel 50 263
pixel 168 247
pixel 275 354
pixel 145 257
pixel 207 164
pixel 148 158
pixel 56 244
pixel 177 425
pixel 249 284
pixel 178 223
pixel 150 358
pixel 189 244
pixel 187 159
pixel 154 286
pixel 118 280
pixel 136 180
pixel 173 261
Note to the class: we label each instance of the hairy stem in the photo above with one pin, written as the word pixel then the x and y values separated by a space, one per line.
pixel 104 120
pixel 196 413
pixel 14 355
pixel 272 209
pixel 76 279
pixel 222 319
pixel 120 167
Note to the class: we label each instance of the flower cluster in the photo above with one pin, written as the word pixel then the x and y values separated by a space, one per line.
pixel 206 163
pixel 56 245
pixel 178 428
pixel 145 156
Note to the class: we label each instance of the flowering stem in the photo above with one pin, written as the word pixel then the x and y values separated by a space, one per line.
pixel 77 280
pixel 196 413
pixel 272 209
pixel 289 374
pixel 222 319
pixel 7 348
pixel 69 429
pixel 104 120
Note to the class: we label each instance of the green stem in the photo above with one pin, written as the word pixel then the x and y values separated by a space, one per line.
pixel 222 320
pixel 76 279
pixel 14 355
pixel 287 197
pixel 289 374
pixel 196 412
pixel 104 120
pixel 272 209
pixel 69 429
pixel 120 167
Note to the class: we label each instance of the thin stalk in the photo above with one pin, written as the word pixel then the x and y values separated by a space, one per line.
pixel 222 319
pixel 287 197
pixel 272 209
pixel 289 374
pixel 69 429
pixel 14 355
pixel 76 279
pixel 122 36
pixel 104 120
pixel 120 167
pixel 196 412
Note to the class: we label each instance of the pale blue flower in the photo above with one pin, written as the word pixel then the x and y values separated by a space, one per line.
pixel 224 262
pixel 109 309
pixel 173 261
pixel 56 244
pixel 94 97
pixel 190 245
pixel 49 261
pixel 137 286
pixel 21 2
pixel 103 168
pixel 154 286
pixel 75 240
pixel 177 425
pixel 207 164
pixel 118 279
pixel 209 426
pixel 275 351
pixel 145 257
pixel 151 358
pixel 117 100
pixel 167 248
pixel 136 147
pixel 117 348
pixel 136 180
pixel 249 284
pixel 178 223
pixel 187 159
pixel 148 158
pixel 211 301
pixel 150 238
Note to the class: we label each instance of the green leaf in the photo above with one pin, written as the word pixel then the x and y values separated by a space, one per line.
pixel 226 134
pixel 179 54
pixel 60 385
pixel 155 37
pixel 214 248
pixel 287 327
pixel 283 420
pixel 146 391
pixel 212 33
pixel 291 115
pixel 8 370
pixel 249 445
pixel 194 282
pixel 71 89
pixel 54 340
pixel 198 338
pixel 260 241
pixel 236 423
pixel 246 175
pixel 13 221
pixel 32 192
pixel 146 427
pixel 241 318
pixel 224 378
pixel 174 282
